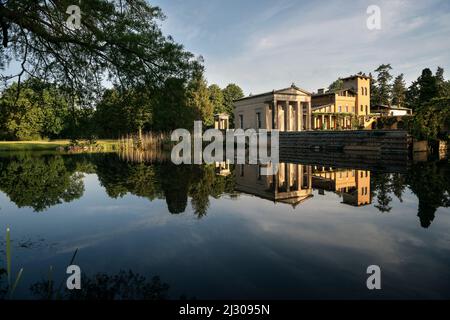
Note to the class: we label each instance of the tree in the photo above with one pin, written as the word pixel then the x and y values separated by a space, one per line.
pixel 172 111
pixel 217 99
pixel 373 90
pixel 230 93
pixel 425 88
pixel 336 85
pixel 110 115
pixel 412 96
pixel 138 105
pixel 428 86
pixel 399 91
pixel 431 120
pixel 37 111
pixel 442 85
pixel 198 99
pixel 119 41
pixel 382 94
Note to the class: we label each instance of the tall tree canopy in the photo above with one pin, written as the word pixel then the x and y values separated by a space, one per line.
pixel 38 110
pixel 216 98
pixel 197 99
pixel 427 87
pixel 230 93
pixel 383 92
pixel 336 85
pixel 118 40
pixel 399 91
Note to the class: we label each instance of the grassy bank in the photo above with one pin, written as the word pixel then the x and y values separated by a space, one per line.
pixel 106 145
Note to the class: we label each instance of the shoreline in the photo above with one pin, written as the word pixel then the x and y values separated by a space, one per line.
pixel 51 145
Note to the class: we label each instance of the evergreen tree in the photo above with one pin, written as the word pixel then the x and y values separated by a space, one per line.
pixel 399 91
pixel 373 90
pixel 383 92
pixel 412 96
pixel 442 85
pixel 428 86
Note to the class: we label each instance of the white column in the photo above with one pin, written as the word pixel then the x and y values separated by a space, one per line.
pixel 309 115
pixel 287 116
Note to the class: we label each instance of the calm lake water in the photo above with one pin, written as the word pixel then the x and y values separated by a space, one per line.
pixel 223 231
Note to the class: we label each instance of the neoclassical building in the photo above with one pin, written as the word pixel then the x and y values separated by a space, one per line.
pixel 286 109
pixel 295 109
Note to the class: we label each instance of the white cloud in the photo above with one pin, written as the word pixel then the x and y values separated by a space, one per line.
pixel 315 47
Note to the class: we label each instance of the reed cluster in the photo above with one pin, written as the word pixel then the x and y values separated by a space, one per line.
pixel 145 142
pixel 156 155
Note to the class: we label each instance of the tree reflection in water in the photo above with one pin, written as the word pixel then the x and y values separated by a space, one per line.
pixel 163 180
pixel 429 181
pixel 40 182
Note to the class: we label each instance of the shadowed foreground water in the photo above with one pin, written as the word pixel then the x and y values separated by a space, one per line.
pixel 223 231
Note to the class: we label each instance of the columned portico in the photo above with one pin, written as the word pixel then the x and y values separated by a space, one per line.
pixel 284 110
pixel 289 116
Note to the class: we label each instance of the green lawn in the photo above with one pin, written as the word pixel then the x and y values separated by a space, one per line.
pixel 47 145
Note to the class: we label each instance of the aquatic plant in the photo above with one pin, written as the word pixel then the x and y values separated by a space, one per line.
pixel 11 286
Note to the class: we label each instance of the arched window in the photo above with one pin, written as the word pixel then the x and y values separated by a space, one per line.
pixel 362 90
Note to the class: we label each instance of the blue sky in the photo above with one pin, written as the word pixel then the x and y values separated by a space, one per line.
pixel 263 45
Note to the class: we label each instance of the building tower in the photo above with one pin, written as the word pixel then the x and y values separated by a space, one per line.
pixel 361 85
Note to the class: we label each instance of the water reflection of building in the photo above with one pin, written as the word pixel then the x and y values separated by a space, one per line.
pixel 353 185
pixel 223 168
pixel 292 184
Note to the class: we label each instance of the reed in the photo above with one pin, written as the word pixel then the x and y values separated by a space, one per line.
pixel 156 155
pixel 8 256
pixel 145 142
pixel 11 288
